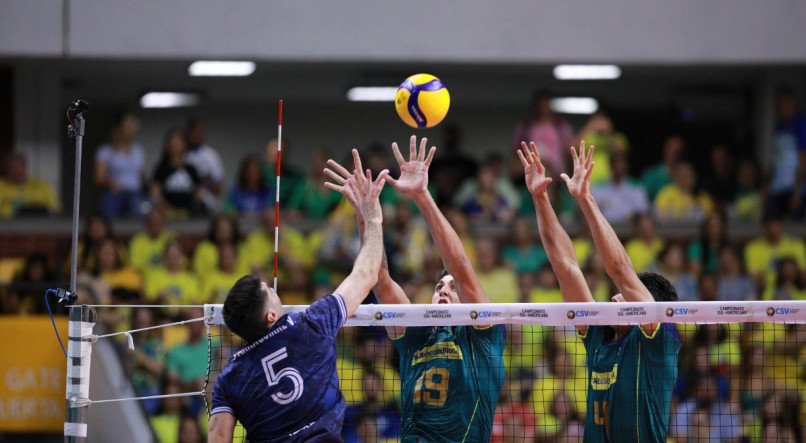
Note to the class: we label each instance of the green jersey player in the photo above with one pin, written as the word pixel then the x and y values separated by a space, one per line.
pixel 451 377
pixel 631 369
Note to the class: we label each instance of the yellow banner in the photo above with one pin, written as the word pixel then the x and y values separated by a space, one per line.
pixel 32 367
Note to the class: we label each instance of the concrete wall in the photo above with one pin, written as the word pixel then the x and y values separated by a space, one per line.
pixel 682 31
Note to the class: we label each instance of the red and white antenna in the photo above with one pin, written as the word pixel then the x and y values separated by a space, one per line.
pixel 277 192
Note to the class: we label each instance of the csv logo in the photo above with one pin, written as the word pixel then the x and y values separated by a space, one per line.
pixel 781 311
pixel 480 314
pixel 382 315
pixel 670 312
pixel 573 314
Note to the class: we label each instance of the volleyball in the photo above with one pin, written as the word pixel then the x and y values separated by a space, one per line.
pixel 422 101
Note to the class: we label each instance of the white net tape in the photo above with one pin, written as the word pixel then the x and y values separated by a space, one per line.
pixel 563 314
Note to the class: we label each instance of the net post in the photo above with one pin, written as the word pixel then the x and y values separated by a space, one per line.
pixel 79 350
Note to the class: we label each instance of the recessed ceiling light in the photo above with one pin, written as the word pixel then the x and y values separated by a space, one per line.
pixel 587 72
pixel 210 68
pixel 169 99
pixel 574 105
pixel 372 94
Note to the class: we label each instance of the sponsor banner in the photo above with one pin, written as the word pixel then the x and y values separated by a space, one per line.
pixel 706 312
pixel 32 383
pixel 566 314
pixel 608 313
pixel 781 311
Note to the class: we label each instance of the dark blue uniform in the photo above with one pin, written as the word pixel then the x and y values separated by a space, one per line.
pixel 283 387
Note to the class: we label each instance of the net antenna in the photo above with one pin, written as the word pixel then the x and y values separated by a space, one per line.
pixel 277 191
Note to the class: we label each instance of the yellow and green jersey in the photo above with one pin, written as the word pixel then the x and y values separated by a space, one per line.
pixel 451 378
pixel 630 383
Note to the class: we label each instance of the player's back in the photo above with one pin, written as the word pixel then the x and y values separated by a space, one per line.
pixel 283 387
pixel 451 379
pixel 630 383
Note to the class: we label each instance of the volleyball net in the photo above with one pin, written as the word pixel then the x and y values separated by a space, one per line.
pixel 739 371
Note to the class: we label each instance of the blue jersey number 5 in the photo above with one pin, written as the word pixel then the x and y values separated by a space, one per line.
pixel 274 378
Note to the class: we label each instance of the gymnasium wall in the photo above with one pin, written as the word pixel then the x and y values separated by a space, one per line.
pixel 683 31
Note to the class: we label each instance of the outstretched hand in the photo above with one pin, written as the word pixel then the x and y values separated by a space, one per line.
pixel 579 184
pixel 413 179
pixel 533 169
pixel 358 187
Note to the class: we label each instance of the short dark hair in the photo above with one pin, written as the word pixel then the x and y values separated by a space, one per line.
pixel 442 273
pixel 660 288
pixel 245 308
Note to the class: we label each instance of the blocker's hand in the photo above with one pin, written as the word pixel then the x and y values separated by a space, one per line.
pixel 413 179
pixel 534 171
pixel 579 184
pixel 359 188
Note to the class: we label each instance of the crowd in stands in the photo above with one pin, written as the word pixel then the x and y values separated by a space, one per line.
pixel 736 382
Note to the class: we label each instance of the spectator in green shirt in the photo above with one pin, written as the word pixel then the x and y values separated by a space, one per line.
pixel 310 198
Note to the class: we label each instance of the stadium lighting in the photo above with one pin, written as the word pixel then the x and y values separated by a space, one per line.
pixel 372 94
pixel 169 99
pixel 574 105
pixel 587 72
pixel 204 68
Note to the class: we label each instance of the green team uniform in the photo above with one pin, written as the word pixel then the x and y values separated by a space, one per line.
pixel 451 378
pixel 630 384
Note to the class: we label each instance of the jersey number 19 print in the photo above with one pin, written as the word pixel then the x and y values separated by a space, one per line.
pixel 432 387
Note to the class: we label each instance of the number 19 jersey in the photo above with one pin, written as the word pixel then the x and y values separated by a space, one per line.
pixel 451 378
pixel 283 387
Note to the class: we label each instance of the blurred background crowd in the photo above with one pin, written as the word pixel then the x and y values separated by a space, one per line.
pixel 737 382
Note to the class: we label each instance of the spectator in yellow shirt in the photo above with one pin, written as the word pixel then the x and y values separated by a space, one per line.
pixel 790 282
pixel 124 281
pixel 297 251
pixel 217 283
pixel 21 194
pixel 223 230
pixel 644 249
pixel 679 200
pixel 547 289
pixel 762 254
pixel 498 281
pixel 97 228
pixel 147 249
pixel 172 284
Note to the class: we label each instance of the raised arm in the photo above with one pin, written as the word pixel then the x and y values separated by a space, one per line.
pixel 413 183
pixel 558 245
pixel 364 276
pixel 387 290
pixel 615 259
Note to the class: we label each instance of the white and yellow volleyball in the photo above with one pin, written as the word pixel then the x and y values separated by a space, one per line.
pixel 422 101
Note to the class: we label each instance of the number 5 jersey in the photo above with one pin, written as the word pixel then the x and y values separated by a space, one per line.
pixel 283 387
pixel 451 378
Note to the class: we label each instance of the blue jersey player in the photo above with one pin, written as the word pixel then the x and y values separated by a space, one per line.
pixel 631 369
pixel 451 377
pixel 282 385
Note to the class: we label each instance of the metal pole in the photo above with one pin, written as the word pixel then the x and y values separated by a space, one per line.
pixel 78 124
pixel 82 318
pixel 79 353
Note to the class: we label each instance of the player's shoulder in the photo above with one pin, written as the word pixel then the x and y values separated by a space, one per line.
pixel 482 331
pixel 414 335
